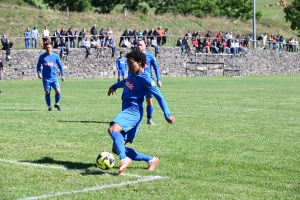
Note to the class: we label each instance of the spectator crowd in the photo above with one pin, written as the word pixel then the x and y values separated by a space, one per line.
pixel 101 40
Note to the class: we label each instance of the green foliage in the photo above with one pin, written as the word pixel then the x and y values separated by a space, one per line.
pixel 238 9
pixel 292 14
pixel 80 6
pixel 105 6
pixel 20 3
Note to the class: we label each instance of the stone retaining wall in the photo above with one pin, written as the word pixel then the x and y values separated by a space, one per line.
pixel 172 63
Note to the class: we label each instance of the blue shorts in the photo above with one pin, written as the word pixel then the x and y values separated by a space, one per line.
pixel 130 120
pixel 50 83
pixel 121 73
pixel 149 95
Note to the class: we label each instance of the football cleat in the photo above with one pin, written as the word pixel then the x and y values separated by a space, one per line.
pixel 152 163
pixel 150 122
pixel 124 163
pixel 58 107
pixel 50 109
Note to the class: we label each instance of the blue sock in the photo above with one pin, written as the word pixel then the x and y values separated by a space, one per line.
pixel 134 155
pixel 149 112
pixel 48 100
pixel 57 98
pixel 118 142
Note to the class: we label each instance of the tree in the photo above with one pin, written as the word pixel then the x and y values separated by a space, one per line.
pixel 239 9
pixel 105 6
pixel 80 6
pixel 292 14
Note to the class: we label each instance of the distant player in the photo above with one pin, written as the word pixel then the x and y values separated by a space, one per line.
pixel 150 62
pixel 49 61
pixel 124 127
pixel 121 64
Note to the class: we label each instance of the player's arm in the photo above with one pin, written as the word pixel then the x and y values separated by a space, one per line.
pixel 156 70
pixel 114 87
pixel 61 69
pixel 38 68
pixel 161 101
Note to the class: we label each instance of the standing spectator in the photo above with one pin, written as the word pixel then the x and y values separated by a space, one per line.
pixel 75 34
pixel 7 48
pixel 27 35
pixel 63 47
pixel 81 37
pixel 109 32
pixel 208 35
pixel 296 46
pixel 34 35
pixel 94 32
pixel 145 33
pixel 50 61
pixel 111 44
pixel 125 35
pixel 291 45
pixel 70 38
pixel 55 35
pixel 46 35
pixel 271 40
pixel 264 38
pixel 160 34
pixel 140 33
pixel 3 41
pixel 151 34
pixel 63 34
pixel 219 36
pixel 164 38
pixel 121 65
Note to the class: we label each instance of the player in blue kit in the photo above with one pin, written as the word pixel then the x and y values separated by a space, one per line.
pixel 121 64
pixel 150 62
pixel 50 61
pixel 124 127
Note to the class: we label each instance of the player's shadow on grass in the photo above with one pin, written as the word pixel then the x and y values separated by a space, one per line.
pixel 67 164
pixel 88 172
pixel 78 121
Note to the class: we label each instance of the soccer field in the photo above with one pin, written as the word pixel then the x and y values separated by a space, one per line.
pixel 234 138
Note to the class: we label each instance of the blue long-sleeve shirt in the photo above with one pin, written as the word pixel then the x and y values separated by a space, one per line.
pixel 121 64
pixel 49 63
pixel 135 89
pixel 151 62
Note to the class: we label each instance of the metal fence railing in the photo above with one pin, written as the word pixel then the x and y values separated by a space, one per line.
pixel 171 40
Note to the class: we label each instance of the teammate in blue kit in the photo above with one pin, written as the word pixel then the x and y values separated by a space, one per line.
pixel 49 61
pixel 121 64
pixel 150 62
pixel 124 127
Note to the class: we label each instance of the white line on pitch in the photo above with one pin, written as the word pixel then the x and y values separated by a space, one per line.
pixel 100 187
pixel 58 167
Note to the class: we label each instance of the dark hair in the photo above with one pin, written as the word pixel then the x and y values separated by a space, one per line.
pixel 137 56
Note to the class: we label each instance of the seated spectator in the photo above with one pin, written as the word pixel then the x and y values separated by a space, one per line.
pixel 154 44
pixel 111 44
pixel 62 33
pixel 206 46
pixel 81 37
pixel 228 47
pixel 135 41
pixel 109 32
pixel 62 45
pixel 207 36
pixel 242 48
pixel 220 45
pixel 94 43
pixel 235 47
pixel 140 34
pixel 219 36
pixel 7 47
pixel 87 45
pixel 126 43
pixel 182 43
pixel 195 42
pixel 2 68
pixel 214 46
pixel 3 41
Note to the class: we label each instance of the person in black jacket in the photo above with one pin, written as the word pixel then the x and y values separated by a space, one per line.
pixel 93 32
pixel 7 47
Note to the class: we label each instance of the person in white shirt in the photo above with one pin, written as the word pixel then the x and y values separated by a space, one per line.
pixel 265 37
pixel 296 46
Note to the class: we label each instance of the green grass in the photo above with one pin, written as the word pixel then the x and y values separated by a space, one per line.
pixel 234 138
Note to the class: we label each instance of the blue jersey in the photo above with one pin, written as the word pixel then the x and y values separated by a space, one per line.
pixel 121 64
pixel 135 89
pixel 151 62
pixel 49 62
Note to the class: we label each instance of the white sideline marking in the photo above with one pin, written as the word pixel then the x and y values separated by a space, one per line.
pixel 100 187
pixel 57 167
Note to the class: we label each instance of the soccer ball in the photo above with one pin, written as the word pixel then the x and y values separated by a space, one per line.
pixel 105 160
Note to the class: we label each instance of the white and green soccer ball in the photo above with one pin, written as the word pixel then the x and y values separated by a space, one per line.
pixel 105 160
